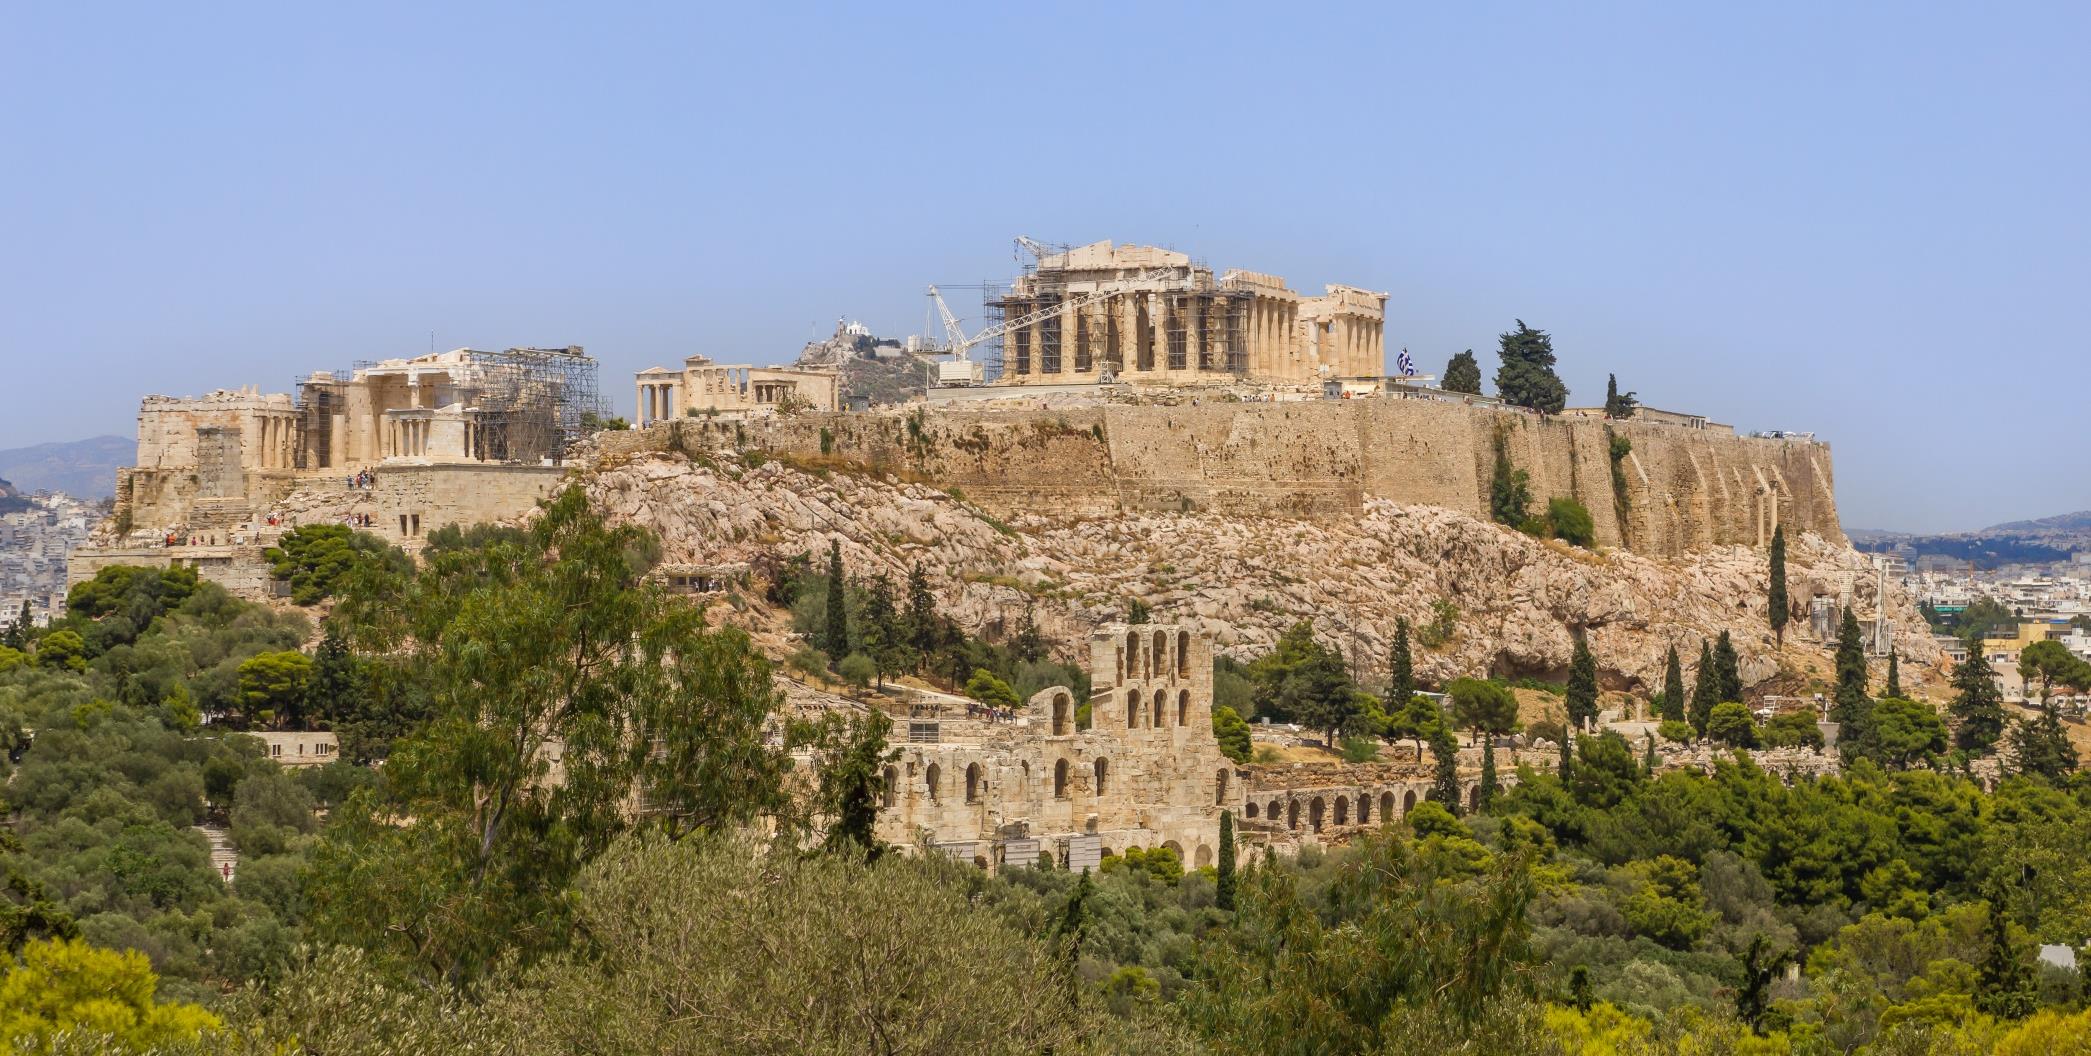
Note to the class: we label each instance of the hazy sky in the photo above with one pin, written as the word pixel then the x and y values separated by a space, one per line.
pixel 1872 221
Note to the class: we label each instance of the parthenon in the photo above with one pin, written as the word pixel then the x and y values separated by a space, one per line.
pixel 1143 314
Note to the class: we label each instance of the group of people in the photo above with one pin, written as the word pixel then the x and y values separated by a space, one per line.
pixel 362 480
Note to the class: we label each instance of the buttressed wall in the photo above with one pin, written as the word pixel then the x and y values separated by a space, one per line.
pixel 1673 490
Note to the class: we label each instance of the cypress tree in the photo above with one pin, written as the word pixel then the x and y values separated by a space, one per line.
pixel 1444 751
pixel 922 613
pixel 1776 595
pixel 1463 374
pixel 1648 760
pixel 1224 889
pixel 1401 669
pixel 2007 979
pixel 1488 772
pixel 1850 706
pixel 1673 688
pixel 1581 699
pixel 1978 705
pixel 1894 675
pixel 1705 691
pixel 836 638
pixel 1568 756
pixel 1727 671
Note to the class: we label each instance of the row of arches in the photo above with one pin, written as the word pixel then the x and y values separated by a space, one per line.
pixel 1338 809
pixel 976 781
pixel 1157 710
pixel 1157 661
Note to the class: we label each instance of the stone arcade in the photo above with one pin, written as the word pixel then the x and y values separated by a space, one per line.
pixel 1146 773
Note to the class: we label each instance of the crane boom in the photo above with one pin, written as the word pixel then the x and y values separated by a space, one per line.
pixel 961 346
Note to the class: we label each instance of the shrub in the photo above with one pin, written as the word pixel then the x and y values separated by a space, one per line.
pixel 1569 521
pixel 857 670
pixel 1677 732
pixel 1730 723
pixel 1360 750
pixel 1793 729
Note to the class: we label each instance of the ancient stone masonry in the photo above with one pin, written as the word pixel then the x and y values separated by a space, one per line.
pixel 1146 773
pixel 1142 314
pixel 703 387
pixel 1683 489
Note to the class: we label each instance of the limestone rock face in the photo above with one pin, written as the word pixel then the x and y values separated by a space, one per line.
pixel 1519 600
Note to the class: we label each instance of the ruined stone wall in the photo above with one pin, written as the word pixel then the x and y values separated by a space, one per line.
pixel 1678 489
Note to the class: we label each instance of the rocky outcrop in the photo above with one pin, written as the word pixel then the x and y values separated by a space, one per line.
pixel 1515 601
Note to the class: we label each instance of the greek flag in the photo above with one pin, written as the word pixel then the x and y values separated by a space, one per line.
pixel 1404 364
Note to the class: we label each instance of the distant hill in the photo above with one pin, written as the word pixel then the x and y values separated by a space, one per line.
pixel 2043 541
pixel 85 468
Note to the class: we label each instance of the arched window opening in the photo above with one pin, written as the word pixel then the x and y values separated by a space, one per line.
pixel 1103 771
pixel 1315 809
pixel 1158 662
pixel 1386 807
pixel 1060 779
pixel 935 774
pixel 1132 709
pixel 891 786
pixel 974 783
pixel 1063 715
pixel 1408 802
pixel 1219 790
pixel 1342 810
pixel 1204 856
pixel 1292 814
pixel 1183 654
pixel 1183 707
pixel 1249 810
pixel 1160 701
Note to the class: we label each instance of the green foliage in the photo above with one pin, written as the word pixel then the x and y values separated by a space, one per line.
pixel 1978 705
pixel 1360 750
pixel 1706 689
pixel 1727 670
pixel 1526 377
pixel 1776 602
pixel 1793 729
pixel 1482 706
pixel 1444 785
pixel 1509 488
pixel 1569 521
pixel 1305 681
pixel 1619 405
pixel 989 690
pixel 1444 622
pixel 1232 731
pixel 1462 374
pixel 1677 732
pixel 835 639
pixel 1905 732
pixel 1225 880
pixel 2043 747
pixel 1663 901
pixel 2050 663
pixel 1159 864
pixel 1581 698
pixel 315 558
pixel 1730 724
pixel 67 989
pixel 274 687
pixel 1401 665
pixel 849 757
pixel 1851 706
pixel 1672 709
pixel 858 670
pixel 524 660
pixel 62 651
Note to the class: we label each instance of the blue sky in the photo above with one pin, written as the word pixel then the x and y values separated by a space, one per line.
pixel 1866 220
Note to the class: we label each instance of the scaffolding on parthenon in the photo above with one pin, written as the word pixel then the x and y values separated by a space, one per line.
pixel 532 403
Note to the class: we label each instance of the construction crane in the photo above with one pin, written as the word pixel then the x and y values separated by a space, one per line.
pixel 1038 249
pixel 963 371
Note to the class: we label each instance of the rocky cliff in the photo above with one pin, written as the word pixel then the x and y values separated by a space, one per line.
pixel 1656 489
pixel 1517 599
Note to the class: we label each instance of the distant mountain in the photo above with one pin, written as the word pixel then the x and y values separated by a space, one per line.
pixel 85 468
pixel 2043 541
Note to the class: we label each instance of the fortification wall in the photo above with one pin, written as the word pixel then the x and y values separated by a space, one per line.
pixel 1673 490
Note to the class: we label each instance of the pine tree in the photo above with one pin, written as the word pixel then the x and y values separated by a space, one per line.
pixel 1705 690
pixel 1775 596
pixel 1488 772
pixel 1618 405
pixel 1978 705
pixel 2043 747
pixel 1444 752
pixel 1581 699
pixel 1401 669
pixel 1463 374
pixel 1851 707
pixel 922 613
pixel 835 640
pixel 1526 377
pixel 1727 671
pixel 1673 688
pixel 1224 888
pixel 1894 675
